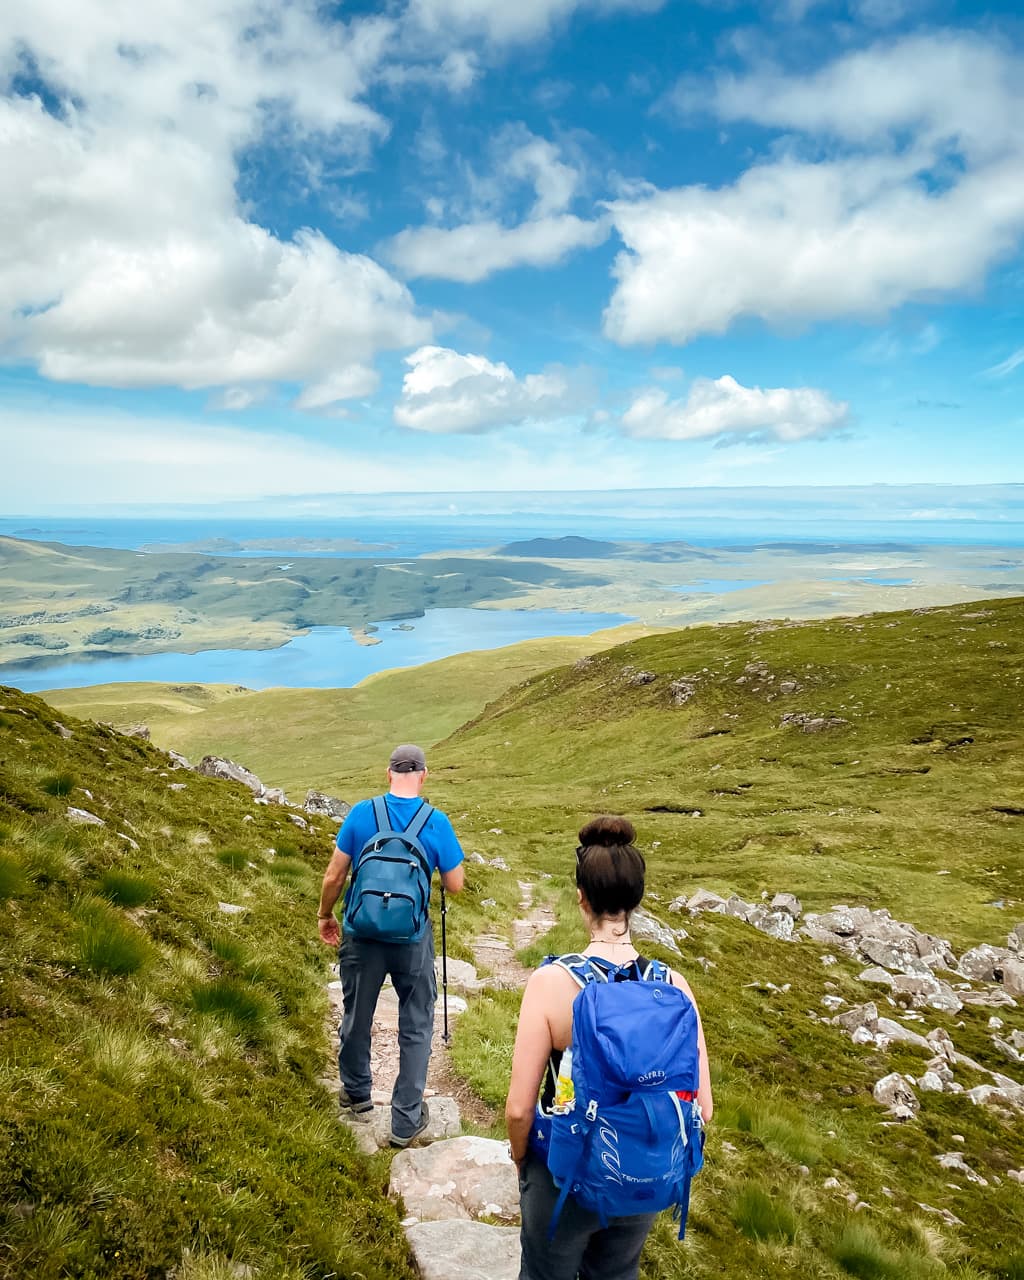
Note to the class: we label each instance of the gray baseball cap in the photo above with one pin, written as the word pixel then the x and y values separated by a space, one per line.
pixel 407 759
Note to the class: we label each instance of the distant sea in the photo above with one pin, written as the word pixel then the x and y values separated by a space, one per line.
pixel 414 524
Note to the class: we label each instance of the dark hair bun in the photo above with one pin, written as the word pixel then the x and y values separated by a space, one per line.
pixel 609 830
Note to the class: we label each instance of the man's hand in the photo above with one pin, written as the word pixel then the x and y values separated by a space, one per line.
pixel 330 933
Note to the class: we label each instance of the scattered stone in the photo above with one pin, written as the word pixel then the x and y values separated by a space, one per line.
pixel 176 786
pixel 464 1250
pixel 301 823
pixel 861 1015
pixel 831 1184
pixel 1013 976
pixel 777 924
pixel 877 975
pixel 638 678
pixel 499 864
pixel 1016 1174
pixel 682 690
pixel 994 998
pixel 789 903
pixel 132 844
pixel 809 723
pixel 648 928
pixel 231 908
pixel 704 900
pixel 984 963
pixel 903 1035
pixel 178 760
pixel 218 767
pixel 488 902
pixel 894 1092
pixel 1015 941
pixel 137 731
pixel 83 818
pixel 62 729
pixel 465 1177
pixel 949 1218
pixel 478 858
pixel 828 960
pixel 954 1160
pixel 462 976
pixel 321 805
pixel 931 1082
pixel 926 992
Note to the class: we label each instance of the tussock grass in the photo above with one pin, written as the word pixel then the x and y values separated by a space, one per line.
pixel 126 890
pixel 291 871
pixel 13 880
pixel 108 944
pixel 122 1056
pixel 763 1214
pixel 234 859
pixel 58 784
pixel 781 1129
pixel 246 1010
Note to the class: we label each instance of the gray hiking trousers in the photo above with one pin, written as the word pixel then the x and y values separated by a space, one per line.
pixel 582 1247
pixel 364 964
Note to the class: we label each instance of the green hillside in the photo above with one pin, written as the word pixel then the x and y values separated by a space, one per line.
pixel 913 800
pixel 160 1108
pixel 299 738
pixel 895 782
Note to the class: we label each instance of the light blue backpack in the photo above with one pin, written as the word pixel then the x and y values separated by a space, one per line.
pixel 389 893
pixel 633 1138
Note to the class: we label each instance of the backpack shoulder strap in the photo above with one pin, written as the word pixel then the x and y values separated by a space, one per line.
pixel 380 813
pixel 580 968
pixel 653 971
pixel 419 820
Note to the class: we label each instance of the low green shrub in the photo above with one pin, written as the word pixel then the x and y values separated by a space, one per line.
pixel 126 890
pixel 763 1215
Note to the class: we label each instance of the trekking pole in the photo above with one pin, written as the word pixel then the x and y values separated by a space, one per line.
pixel 444 964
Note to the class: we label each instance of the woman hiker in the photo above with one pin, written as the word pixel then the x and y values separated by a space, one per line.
pixel 610 884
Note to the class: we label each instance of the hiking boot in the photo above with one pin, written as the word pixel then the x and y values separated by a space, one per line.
pixel 396 1141
pixel 355 1109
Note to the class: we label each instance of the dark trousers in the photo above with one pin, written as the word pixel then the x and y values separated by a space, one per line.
pixel 364 964
pixel 582 1247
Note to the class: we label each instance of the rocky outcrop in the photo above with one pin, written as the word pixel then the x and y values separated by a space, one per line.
pixel 83 818
pixel 321 805
pixel 218 767
pixel 894 1092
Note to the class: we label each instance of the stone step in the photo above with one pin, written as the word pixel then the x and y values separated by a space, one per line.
pixel 462 1250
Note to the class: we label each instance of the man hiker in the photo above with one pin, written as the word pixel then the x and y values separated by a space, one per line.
pixel 392 845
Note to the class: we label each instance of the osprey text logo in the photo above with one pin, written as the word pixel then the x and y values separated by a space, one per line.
pixel 651 1077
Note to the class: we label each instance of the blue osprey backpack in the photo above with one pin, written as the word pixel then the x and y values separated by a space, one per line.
pixel 389 892
pixel 631 1138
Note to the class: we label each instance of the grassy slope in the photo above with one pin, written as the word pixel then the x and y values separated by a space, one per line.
pixel 299 738
pixel 160 1107
pixel 860 814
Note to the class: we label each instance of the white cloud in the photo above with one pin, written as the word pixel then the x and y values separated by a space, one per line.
pixel 447 393
pixel 721 409
pixel 1008 365
pixel 476 250
pixel 235 399
pixel 483 245
pixel 507 23
pixel 918 197
pixel 125 257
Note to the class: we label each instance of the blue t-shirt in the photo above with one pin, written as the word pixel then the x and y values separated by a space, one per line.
pixel 438 838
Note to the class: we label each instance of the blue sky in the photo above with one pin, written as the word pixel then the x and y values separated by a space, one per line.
pixel 254 249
